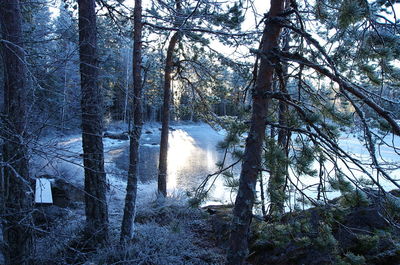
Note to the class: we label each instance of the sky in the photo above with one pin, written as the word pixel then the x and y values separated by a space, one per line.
pixel 260 7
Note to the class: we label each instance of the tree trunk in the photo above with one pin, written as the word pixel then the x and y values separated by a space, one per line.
pixel 64 101
pixel 18 196
pixel 262 196
pixel 277 181
pixel 242 213
pixel 162 166
pixel 169 64
pixel 92 126
pixel 131 189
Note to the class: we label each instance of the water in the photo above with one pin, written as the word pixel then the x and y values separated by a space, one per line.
pixel 192 155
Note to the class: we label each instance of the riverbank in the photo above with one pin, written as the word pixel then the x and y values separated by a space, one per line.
pixel 353 229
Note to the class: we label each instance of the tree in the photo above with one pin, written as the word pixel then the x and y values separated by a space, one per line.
pixel 96 212
pixel 17 194
pixel 325 103
pixel 162 165
pixel 277 161
pixel 134 135
pixel 191 21
pixel 38 28
pixel 169 64
pixel 114 60
pixel 66 70
pixel 242 212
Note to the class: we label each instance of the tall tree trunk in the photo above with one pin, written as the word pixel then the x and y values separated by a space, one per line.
pixel 125 114
pixel 64 101
pixel 242 212
pixel 162 165
pixel 18 196
pixel 131 189
pixel 277 180
pixel 166 108
pixel 92 128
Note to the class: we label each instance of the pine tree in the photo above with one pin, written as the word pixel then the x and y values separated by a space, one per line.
pixel 134 135
pixel 96 211
pixel 169 64
pixel 242 213
pixel 17 196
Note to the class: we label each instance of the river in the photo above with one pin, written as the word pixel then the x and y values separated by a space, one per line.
pixel 192 155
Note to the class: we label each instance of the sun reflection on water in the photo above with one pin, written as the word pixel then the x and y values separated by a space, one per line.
pixel 182 147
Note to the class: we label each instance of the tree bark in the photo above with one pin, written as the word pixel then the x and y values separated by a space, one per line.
pixel 162 165
pixel 92 126
pixel 131 189
pixel 242 212
pixel 18 196
pixel 277 181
